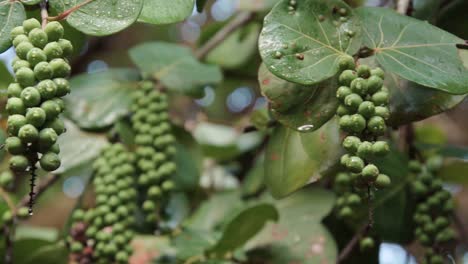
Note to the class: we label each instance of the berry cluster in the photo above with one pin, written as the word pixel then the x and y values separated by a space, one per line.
pixel 155 148
pixel 103 234
pixel 434 207
pixel 363 110
pixel 34 102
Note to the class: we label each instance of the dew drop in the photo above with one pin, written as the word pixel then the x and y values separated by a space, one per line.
pixel 285 46
pixel 305 127
pixel 300 56
pixel 343 11
pixel 278 55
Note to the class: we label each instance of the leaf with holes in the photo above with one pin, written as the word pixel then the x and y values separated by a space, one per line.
pixel 288 164
pixel 100 18
pixel 303 43
pixel 299 236
pixel 12 14
pixel 99 99
pixel 303 108
pixel 167 62
pixel 415 50
pixel 165 12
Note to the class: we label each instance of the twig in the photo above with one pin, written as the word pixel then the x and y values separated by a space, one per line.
pixel 7 199
pixel 352 243
pixel 242 19
pixel 403 6
pixel 41 187
pixel 44 12
pixel 67 12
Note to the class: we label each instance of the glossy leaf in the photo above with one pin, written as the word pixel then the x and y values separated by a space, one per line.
pixel 78 147
pixel 100 18
pixel 299 236
pixel 12 14
pixel 193 243
pixel 415 50
pixel 303 108
pixel 243 41
pixel 289 167
pixel 165 12
pixel 168 62
pixel 99 99
pixel 304 45
pixel 243 227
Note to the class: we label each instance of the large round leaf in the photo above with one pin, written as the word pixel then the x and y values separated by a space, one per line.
pixel 303 108
pixel 97 100
pixel 165 12
pixel 299 236
pixel 12 14
pixel 288 166
pixel 415 50
pixel 304 45
pixel 100 18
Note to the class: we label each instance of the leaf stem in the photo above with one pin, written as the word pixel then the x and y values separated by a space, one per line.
pixel 67 12
pixel 44 12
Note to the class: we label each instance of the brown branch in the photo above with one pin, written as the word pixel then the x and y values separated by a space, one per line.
pixel 241 19
pixel 41 187
pixel 44 12
pixel 67 12
pixel 352 243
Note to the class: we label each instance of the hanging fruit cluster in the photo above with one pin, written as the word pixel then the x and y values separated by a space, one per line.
pixel 433 211
pixel 103 234
pixel 34 102
pixel 155 148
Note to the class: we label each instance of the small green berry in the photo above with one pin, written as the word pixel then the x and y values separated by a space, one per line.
pixel 15 106
pixel 380 98
pixel 23 48
pixel 346 77
pixel 376 125
pixel 14 146
pixel 370 172
pixel 353 101
pixel 54 31
pixel 359 86
pixel 382 181
pixel 19 163
pixel 25 77
pixel 366 243
pixel 31 96
pixel 367 109
pixel 380 148
pixel 38 37
pixel 30 24
pixel 355 164
pixel 49 161
pixel 351 143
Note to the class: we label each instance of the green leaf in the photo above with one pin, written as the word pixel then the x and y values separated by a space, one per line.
pixel 243 227
pixel 30 2
pixel 12 14
pixel 254 181
pixel 393 213
pixel 224 142
pixel 287 34
pixel 98 99
pixel 303 108
pixel 165 12
pixel 402 44
pixel 167 62
pixel 243 41
pixel 176 210
pixel 78 147
pixel 100 18
pixel 5 79
pixel 289 166
pixel 192 243
pixel 299 236
pixel 56 253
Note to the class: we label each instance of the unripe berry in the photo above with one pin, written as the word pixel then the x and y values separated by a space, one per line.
pixel 345 159
pixel 20 39
pixel 353 101
pixel 15 106
pixel 14 146
pixel 358 123
pixel 16 31
pixel 42 70
pixel 346 77
pixel 30 96
pixel 354 200
pixel 22 213
pixel 47 89
pixel 363 71
pixel 382 181
pixel 66 46
pixel 380 98
pixel 36 116
pixel 19 64
pixel 382 111
pixel 351 143
pixel 366 243
pixel 376 125
pixel 57 125
pixel 38 37
pixel 380 148
pixel 28 133
pixel 414 166
pixel 359 86
pixel 342 179
pixel 378 72
pixel 76 247
pixel 343 110
pixel 149 206
pixel 23 48
pixel 49 161
pixel 54 31
pixel 342 92
pixel 370 172
pixel 63 86
pixel 366 109
pixel 355 164
pixel 53 50
pixel 14 123
pixel 30 24
pixel 7 217
pixel 374 83
pixel 14 90
pixel 19 163
pixel 365 150
pixel 434 163
pixel 47 137
pixel 51 108
pixel 25 77
pixel 6 179
pixel 60 68
pixel 345 212
pixel 36 55
pixel 346 62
